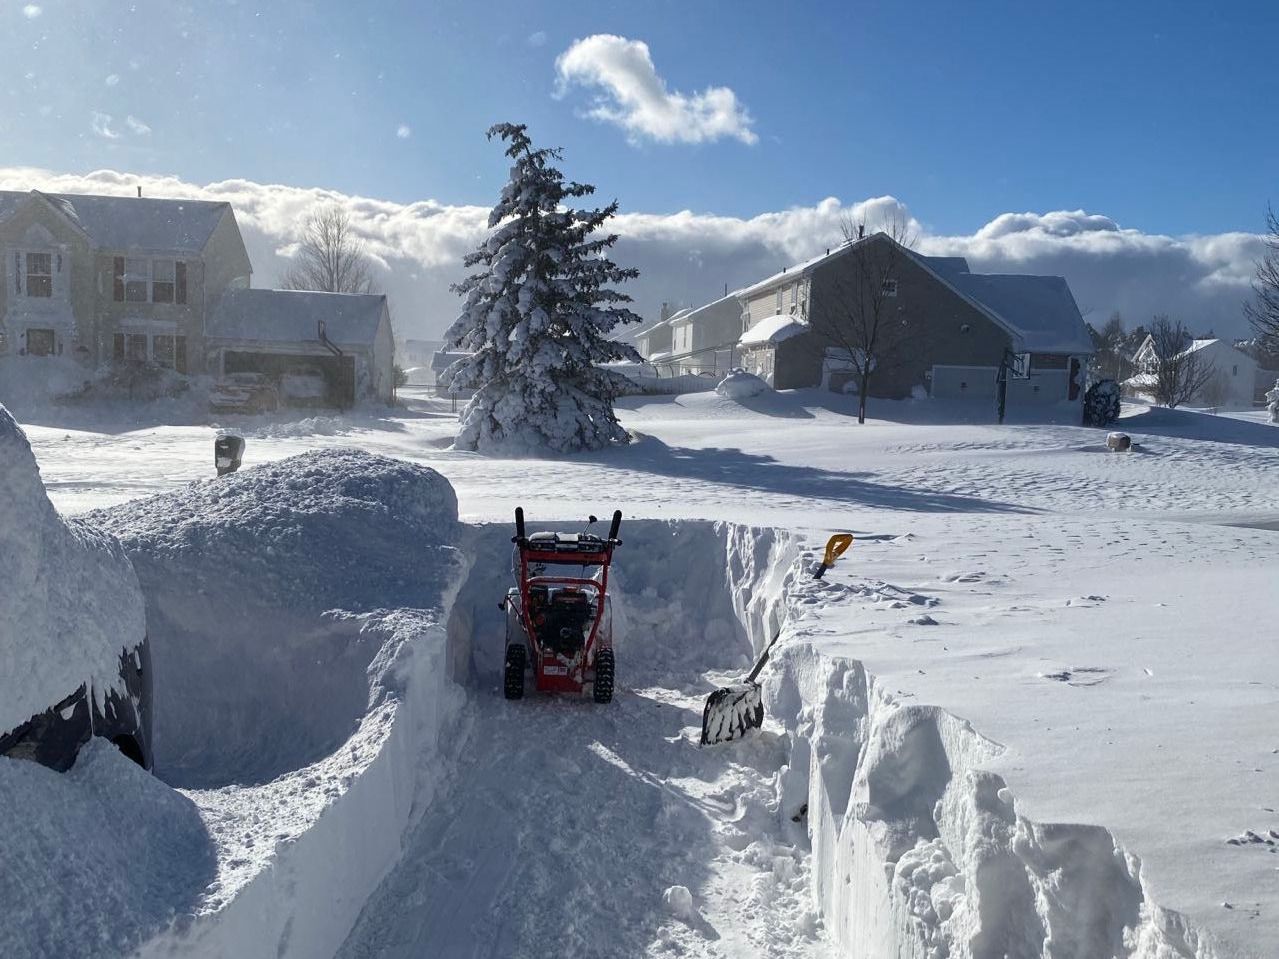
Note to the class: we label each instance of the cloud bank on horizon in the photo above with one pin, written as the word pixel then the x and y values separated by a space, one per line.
pixel 689 258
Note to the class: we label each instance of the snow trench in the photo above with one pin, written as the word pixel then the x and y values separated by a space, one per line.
pixel 920 853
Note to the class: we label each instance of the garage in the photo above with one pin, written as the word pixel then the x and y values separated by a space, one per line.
pixel 316 349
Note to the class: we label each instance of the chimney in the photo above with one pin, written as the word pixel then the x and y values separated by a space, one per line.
pixel 139 193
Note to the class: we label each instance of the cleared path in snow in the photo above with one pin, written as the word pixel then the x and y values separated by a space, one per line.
pixel 567 823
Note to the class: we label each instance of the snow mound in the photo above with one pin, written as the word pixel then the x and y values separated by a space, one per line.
pixel 263 593
pixel 95 859
pixel 69 600
pixel 740 385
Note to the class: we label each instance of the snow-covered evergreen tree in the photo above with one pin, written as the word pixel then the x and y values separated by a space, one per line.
pixel 536 314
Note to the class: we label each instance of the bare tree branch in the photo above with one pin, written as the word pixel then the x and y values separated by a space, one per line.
pixel 1179 372
pixel 862 318
pixel 331 257
pixel 1263 311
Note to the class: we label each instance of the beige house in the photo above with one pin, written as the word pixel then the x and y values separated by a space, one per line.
pixel 963 326
pixel 126 278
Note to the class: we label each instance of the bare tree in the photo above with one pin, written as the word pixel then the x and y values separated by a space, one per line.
pixel 863 318
pixel 330 258
pixel 1180 372
pixel 1263 311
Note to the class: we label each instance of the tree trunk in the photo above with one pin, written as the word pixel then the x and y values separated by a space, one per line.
pixel 863 390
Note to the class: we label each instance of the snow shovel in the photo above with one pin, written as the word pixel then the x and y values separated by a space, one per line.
pixel 732 710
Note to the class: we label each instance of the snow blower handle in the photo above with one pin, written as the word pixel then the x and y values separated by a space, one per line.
pixel 519 526
pixel 617 525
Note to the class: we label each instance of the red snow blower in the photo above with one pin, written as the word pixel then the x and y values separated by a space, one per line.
pixel 557 624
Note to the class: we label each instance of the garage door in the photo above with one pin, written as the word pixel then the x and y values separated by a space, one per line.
pixel 963 382
pixel 338 371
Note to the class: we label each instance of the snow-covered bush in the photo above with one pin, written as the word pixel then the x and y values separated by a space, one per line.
pixel 1273 405
pixel 134 382
pixel 536 316
pixel 739 385
pixel 1101 403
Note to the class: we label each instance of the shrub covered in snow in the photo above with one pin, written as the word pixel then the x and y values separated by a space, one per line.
pixel 740 385
pixel 536 316
pixel 1101 403
pixel 69 600
pixel 134 382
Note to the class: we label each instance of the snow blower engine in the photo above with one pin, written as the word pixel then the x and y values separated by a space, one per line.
pixel 560 625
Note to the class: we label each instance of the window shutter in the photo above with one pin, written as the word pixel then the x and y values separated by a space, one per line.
pixel 180 354
pixel 17 272
pixel 117 286
pixel 180 278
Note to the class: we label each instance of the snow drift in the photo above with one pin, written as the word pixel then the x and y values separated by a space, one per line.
pixel 69 600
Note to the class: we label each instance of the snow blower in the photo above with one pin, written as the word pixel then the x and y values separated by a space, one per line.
pixel 558 625
pixel 732 710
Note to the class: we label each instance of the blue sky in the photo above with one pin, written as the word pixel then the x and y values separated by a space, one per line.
pixel 1158 115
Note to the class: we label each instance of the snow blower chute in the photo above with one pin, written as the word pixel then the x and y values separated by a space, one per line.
pixel 560 625
pixel 732 710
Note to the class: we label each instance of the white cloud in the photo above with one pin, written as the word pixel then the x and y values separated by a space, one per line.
pixel 31 11
pixel 112 79
pixel 101 125
pixel 631 95
pixel 403 131
pixel 136 126
pixel 537 39
pixel 687 258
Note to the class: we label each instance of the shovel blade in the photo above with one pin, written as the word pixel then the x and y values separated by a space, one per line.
pixel 730 711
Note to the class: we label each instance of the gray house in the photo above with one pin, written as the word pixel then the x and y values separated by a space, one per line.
pixel 962 326
pixel 127 278
pixel 345 338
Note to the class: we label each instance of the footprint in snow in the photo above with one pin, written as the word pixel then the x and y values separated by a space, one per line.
pixel 1080 675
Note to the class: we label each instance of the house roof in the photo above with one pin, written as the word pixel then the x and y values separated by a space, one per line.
pixel 648 330
pixel 291 316
pixel 773 329
pixel 441 360
pixel 127 222
pixel 1040 310
pixel 690 316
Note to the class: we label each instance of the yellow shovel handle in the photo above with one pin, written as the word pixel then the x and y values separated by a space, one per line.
pixel 836 546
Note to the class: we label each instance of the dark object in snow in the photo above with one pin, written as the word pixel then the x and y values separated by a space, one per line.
pixel 1119 442
pixel 561 625
pixel 1101 403
pixel 228 452
pixel 53 738
pixel 732 710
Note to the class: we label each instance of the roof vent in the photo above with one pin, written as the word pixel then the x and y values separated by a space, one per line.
pixel 139 193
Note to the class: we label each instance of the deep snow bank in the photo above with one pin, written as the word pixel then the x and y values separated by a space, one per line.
pixel 69 600
pixel 257 585
pixel 295 613
pixel 95 859
pixel 920 853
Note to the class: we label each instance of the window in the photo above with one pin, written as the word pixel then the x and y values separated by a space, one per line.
pixel 162 350
pixel 136 275
pixel 888 288
pixel 39 274
pixel 162 281
pixel 40 342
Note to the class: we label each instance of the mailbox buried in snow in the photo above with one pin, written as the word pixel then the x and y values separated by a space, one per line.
pixel 228 451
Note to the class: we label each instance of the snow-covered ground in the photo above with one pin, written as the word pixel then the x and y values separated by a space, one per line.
pixel 1042 686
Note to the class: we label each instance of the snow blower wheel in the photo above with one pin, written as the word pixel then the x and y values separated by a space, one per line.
pixel 516 662
pixel 558 613
pixel 603 691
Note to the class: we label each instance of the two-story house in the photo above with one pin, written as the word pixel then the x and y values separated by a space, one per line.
pixel 126 278
pixel 958 326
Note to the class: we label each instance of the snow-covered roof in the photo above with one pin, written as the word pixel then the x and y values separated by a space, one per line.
pixel 441 360
pixel 648 330
pixel 132 223
pixel 1039 310
pixel 947 265
pixel 291 316
pixel 691 315
pixel 773 329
